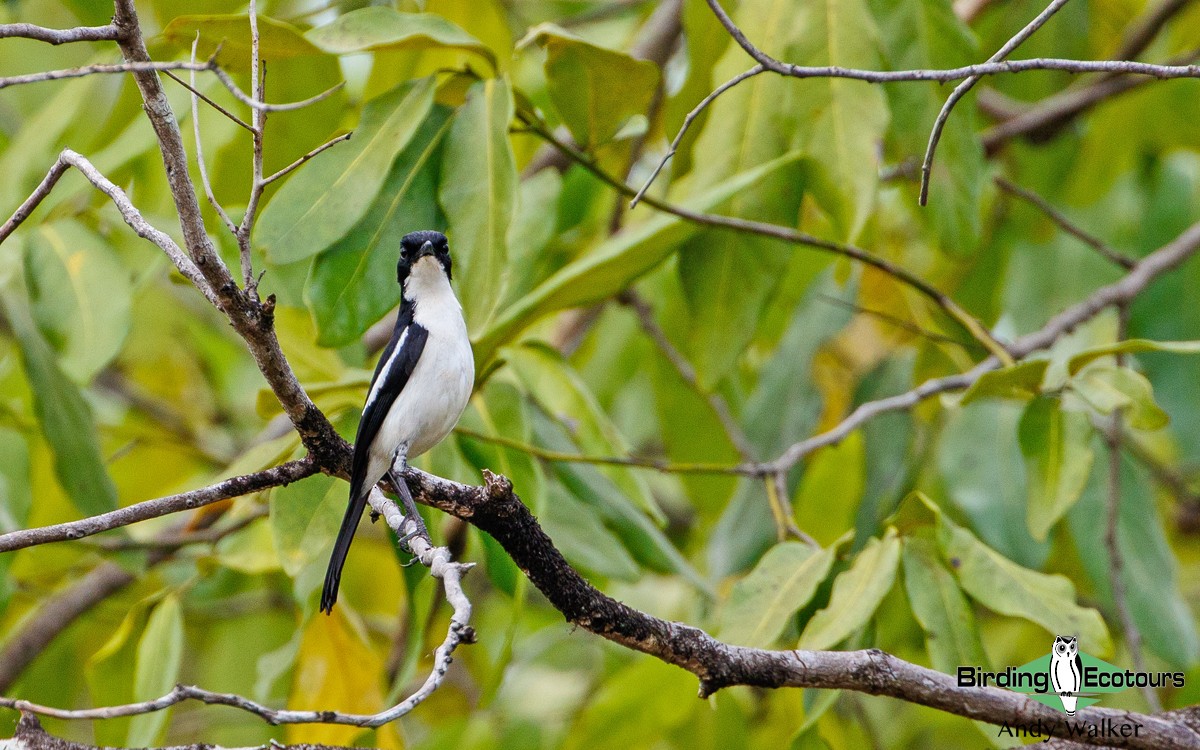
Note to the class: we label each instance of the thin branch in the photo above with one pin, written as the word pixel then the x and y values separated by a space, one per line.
pixel 88 70
pixel 961 90
pixel 687 123
pixel 259 118
pixel 1121 291
pixel 793 236
pixel 749 469
pixel 245 484
pixel 208 190
pixel 253 103
pixel 1145 29
pixel 645 316
pixel 208 100
pixel 1068 226
pixel 176 540
pixel 125 207
pixel 294 165
pixel 59 36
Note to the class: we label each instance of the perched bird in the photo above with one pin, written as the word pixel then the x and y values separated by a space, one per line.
pixel 1066 671
pixel 420 388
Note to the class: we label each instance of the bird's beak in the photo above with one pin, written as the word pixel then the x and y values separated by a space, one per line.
pixel 426 249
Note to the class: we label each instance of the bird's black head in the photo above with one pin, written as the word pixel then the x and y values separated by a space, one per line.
pixel 416 245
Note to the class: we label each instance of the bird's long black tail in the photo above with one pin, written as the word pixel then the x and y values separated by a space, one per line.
pixel 333 575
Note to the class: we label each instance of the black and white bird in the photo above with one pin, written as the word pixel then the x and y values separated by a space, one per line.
pixel 421 386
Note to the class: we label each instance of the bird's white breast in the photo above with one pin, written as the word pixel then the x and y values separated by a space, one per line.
pixel 437 392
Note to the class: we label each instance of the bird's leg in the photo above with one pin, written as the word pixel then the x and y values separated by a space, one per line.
pixel 410 507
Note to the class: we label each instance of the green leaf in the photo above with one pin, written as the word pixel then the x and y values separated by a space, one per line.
pixel 1057 447
pixel 305 517
pixel 62 413
pixel 595 90
pixel 80 296
pixel 1021 381
pixel 951 633
pixel 922 34
pixel 980 464
pixel 1107 388
pixel 1130 346
pixel 612 265
pixel 277 40
pixel 159 654
pixel 352 283
pixel 1005 587
pixel 856 594
pixel 478 189
pixel 327 197
pixel 785 579
pixel 381 27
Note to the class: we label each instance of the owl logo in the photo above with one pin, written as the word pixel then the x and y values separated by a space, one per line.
pixel 1066 671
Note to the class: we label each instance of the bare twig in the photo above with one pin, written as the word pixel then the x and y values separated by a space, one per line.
pixel 253 103
pixel 687 123
pixel 208 191
pixel 176 539
pixel 1068 226
pixel 59 36
pixel 259 118
pixel 793 236
pixel 129 213
pixel 294 165
pixel 1145 29
pixel 207 100
pixel 961 90
pixel 89 70
pixel 901 323
pixel 235 487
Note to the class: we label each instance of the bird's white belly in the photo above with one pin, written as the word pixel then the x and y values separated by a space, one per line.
pixel 430 404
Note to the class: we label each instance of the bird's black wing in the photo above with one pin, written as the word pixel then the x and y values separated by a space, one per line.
pixel 395 366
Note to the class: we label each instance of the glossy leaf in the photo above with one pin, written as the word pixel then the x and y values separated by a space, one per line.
pixel 1021 381
pixel 478 192
pixel 785 579
pixel 277 39
pixel 951 633
pixel 1130 346
pixel 856 594
pixel 384 28
pixel 595 90
pixel 1107 388
pixel 327 197
pixel 159 655
pixel 80 296
pixel 1057 448
pixel 63 415
pixel 1005 587
pixel 352 283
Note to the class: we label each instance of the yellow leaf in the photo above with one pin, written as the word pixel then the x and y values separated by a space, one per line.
pixel 338 671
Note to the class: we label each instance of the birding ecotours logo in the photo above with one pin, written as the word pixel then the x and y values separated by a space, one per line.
pixel 1067 679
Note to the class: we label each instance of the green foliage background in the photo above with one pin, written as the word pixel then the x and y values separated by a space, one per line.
pixel 965 531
